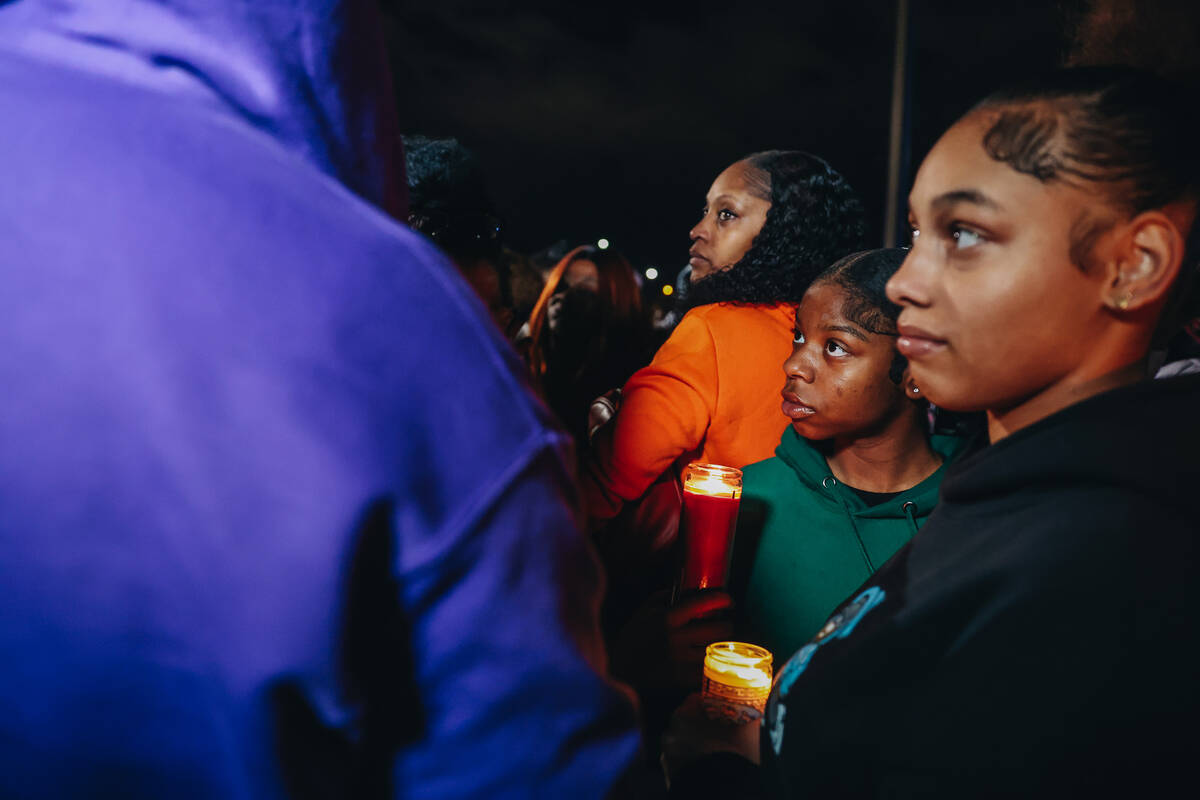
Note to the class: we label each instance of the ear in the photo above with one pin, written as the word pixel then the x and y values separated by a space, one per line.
pixel 1146 259
pixel 911 390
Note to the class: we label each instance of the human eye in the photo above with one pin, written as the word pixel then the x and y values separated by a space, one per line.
pixel 797 337
pixel 834 348
pixel 964 237
pixel 725 215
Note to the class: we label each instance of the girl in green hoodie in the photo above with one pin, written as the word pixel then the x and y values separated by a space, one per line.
pixel 856 472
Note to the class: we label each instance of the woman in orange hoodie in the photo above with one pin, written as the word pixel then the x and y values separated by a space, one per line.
pixel 771 222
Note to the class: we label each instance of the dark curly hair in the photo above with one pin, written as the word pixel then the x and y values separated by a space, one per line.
pixel 448 198
pixel 814 218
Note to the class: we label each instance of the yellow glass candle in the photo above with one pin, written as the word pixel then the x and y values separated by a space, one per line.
pixel 737 677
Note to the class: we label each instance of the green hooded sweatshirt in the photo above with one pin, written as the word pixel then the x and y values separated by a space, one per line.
pixel 805 541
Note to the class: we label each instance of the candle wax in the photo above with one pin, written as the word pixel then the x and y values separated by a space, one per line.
pixel 708 524
pixel 741 677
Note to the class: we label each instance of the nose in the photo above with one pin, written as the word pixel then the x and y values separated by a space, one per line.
pixel 909 286
pixel 799 365
pixel 700 230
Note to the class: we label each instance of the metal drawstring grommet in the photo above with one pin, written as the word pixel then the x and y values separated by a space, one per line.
pixel 828 482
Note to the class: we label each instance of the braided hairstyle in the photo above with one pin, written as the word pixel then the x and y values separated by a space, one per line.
pixel 863 278
pixel 815 217
pixel 1125 132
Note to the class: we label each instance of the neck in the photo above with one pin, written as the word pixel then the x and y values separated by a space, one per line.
pixel 897 458
pixel 1058 396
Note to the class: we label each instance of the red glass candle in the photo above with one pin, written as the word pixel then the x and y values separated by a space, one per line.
pixel 711 494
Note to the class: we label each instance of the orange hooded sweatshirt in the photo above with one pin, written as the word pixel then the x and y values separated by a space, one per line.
pixel 710 394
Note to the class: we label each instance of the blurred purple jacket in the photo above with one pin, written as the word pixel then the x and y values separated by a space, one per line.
pixel 278 519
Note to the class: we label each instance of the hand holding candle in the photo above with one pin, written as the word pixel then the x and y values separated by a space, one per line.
pixel 662 646
pixel 692 735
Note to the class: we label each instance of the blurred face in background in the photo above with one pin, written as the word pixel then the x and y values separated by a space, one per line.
pixel 484 278
pixel 734 213
pixel 582 274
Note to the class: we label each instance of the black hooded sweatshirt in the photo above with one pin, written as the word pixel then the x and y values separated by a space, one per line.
pixel 1038 637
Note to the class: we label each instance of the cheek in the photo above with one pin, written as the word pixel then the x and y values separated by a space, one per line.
pixel 746 240
pixel 1008 332
pixel 733 244
pixel 862 393
pixel 1019 314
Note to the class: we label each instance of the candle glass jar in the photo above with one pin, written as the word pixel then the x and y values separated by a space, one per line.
pixel 711 494
pixel 737 681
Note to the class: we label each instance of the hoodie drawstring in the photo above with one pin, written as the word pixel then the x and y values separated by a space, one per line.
pixel 910 513
pixel 827 483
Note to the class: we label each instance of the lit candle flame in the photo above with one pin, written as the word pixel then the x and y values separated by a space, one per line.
pixel 736 674
pixel 713 480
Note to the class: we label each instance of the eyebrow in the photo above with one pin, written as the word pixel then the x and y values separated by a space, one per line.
pixel 848 329
pixel 972 196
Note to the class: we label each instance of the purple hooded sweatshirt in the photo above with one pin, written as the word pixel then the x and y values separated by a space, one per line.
pixel 278 518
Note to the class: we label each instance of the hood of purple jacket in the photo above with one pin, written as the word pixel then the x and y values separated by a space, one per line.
pixel 311 74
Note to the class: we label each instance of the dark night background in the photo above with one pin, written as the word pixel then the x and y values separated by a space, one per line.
pixel 612 119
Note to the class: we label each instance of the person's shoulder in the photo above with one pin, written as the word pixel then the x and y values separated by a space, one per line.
pixel 724 316
pixel 768 466
pixel 769 477
pixel 733 326
pixel 734 313
pixel 696 320
pixel 204 212
pixel 692 335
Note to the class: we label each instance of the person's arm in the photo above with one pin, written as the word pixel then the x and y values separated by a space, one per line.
pixel 665 412
pixel 510 662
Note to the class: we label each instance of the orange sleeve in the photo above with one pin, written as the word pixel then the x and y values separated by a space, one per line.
pixel 665 411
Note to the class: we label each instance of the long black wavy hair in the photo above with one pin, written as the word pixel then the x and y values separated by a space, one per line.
pixel 815 217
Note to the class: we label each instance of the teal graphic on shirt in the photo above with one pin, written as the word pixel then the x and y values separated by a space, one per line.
pixel 839 626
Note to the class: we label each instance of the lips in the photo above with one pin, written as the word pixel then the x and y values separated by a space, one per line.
pixel 915 342
pixel 697 260
pixel 795 408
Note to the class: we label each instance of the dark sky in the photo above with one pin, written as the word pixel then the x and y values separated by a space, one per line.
pixel 612 119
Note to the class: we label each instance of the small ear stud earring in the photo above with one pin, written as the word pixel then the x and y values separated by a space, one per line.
pixel 1121 302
